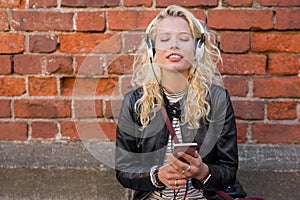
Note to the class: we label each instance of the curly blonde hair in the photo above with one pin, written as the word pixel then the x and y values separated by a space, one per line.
pixel 202 74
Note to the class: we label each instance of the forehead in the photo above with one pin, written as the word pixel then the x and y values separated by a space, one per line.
pixel 173 24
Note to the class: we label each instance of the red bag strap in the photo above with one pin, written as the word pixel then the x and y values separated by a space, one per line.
pixel 169 125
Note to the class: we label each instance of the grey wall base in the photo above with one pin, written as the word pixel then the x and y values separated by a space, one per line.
pixel 74 170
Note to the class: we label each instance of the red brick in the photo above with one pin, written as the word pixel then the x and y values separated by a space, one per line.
pixel 10 3
pixel 240 19
pixel 90 3
pixel 4 24
pixel 89 65
pixel 5 109
pixel 13 131
pixel 236 86
pixel 43 130
pixel 278 2
pixel 283 64
pixel 137 3
pixel 42 86
pixel 287 19
pixel 282 110
pixel 11 43
pixel 237 3
pixel 241 132
pixel 199 14
pixel 132 42
pixel 90 43
pixel 88 130
pixel 120 64
pixel 90 21
pixel 186 3
pixel 277 87
pixel 125 85
pixel 235 42
pixel 130 19
pixel 276 133
pixel 28 64
pixel 34 64
pixel 112 109
pixel 42 3
pixel 57 64
pixel 250 110
pixel 89 86
pixel 42 43
pixel 5 65
pixel 12 86
pixel 42 108
pixel 246 64
pixel 41 21
pixel 276 42
pixel 88 108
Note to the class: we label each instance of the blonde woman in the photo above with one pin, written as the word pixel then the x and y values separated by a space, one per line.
pixel 175 71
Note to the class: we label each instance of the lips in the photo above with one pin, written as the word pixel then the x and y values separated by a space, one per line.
pixel 174 57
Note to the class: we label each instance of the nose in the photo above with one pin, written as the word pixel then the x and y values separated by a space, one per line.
pixel 174 43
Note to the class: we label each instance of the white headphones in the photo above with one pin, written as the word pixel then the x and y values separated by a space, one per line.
pixel 199 41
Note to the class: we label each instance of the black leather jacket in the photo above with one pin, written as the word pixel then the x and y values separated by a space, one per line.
pixel 138 150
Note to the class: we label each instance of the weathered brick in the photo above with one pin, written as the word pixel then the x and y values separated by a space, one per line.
pixel 278 2
pixel 88 130
pixel 90 3
pixel 112 109
pixel 275 42
pixel 129 19
pixel 132 42
pixel 90 21
pixel 241 132
pixel 236 86
pixel 88 108
pixel 41 21
pixel 89 65
pixel 277 87
pixel 10 3
pixel 42 43
pixel 11 43
pixel 5 109
pixel 42 86
pixel 42 3
pixel 42 108
pixel 5 65
pixel 36 64
pixel 12 86
pixel 235 42
pixel 186 3
pixel 243 64
pixel 4 25
pixel 89 86
pixel 240 19
pixel 90 43
pixel 250 110
pixel 283 64
pixel 237 3
pixel 125 84
pixel 137 3
pixel 276 133
pixel 287 19
pixel 120 64
pixel 279 110
pixel 43 130
pixel 13 131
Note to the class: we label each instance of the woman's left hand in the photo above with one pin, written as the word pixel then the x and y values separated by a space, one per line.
pixel 192 168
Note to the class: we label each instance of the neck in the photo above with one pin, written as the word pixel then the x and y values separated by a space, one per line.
pixel 174 82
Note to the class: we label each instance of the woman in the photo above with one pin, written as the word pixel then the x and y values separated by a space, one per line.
pixel 175 70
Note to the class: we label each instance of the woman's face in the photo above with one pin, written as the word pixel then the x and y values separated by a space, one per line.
pixel 174 45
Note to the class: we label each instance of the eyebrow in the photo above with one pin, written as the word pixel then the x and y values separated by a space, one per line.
pixel 163 33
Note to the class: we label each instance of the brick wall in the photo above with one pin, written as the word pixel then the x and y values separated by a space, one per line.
pixel 65 64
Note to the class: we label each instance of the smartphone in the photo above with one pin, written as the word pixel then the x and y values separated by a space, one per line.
pixel 188 148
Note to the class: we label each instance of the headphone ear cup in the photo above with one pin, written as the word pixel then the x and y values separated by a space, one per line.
pixel 199 48
pixel 150 49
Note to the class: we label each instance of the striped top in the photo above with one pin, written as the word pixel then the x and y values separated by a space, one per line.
pixel 168 193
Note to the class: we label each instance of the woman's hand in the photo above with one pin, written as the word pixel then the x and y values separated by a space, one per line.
pixel 181 171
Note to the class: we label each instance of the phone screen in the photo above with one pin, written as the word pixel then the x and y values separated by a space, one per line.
pixel 188 148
